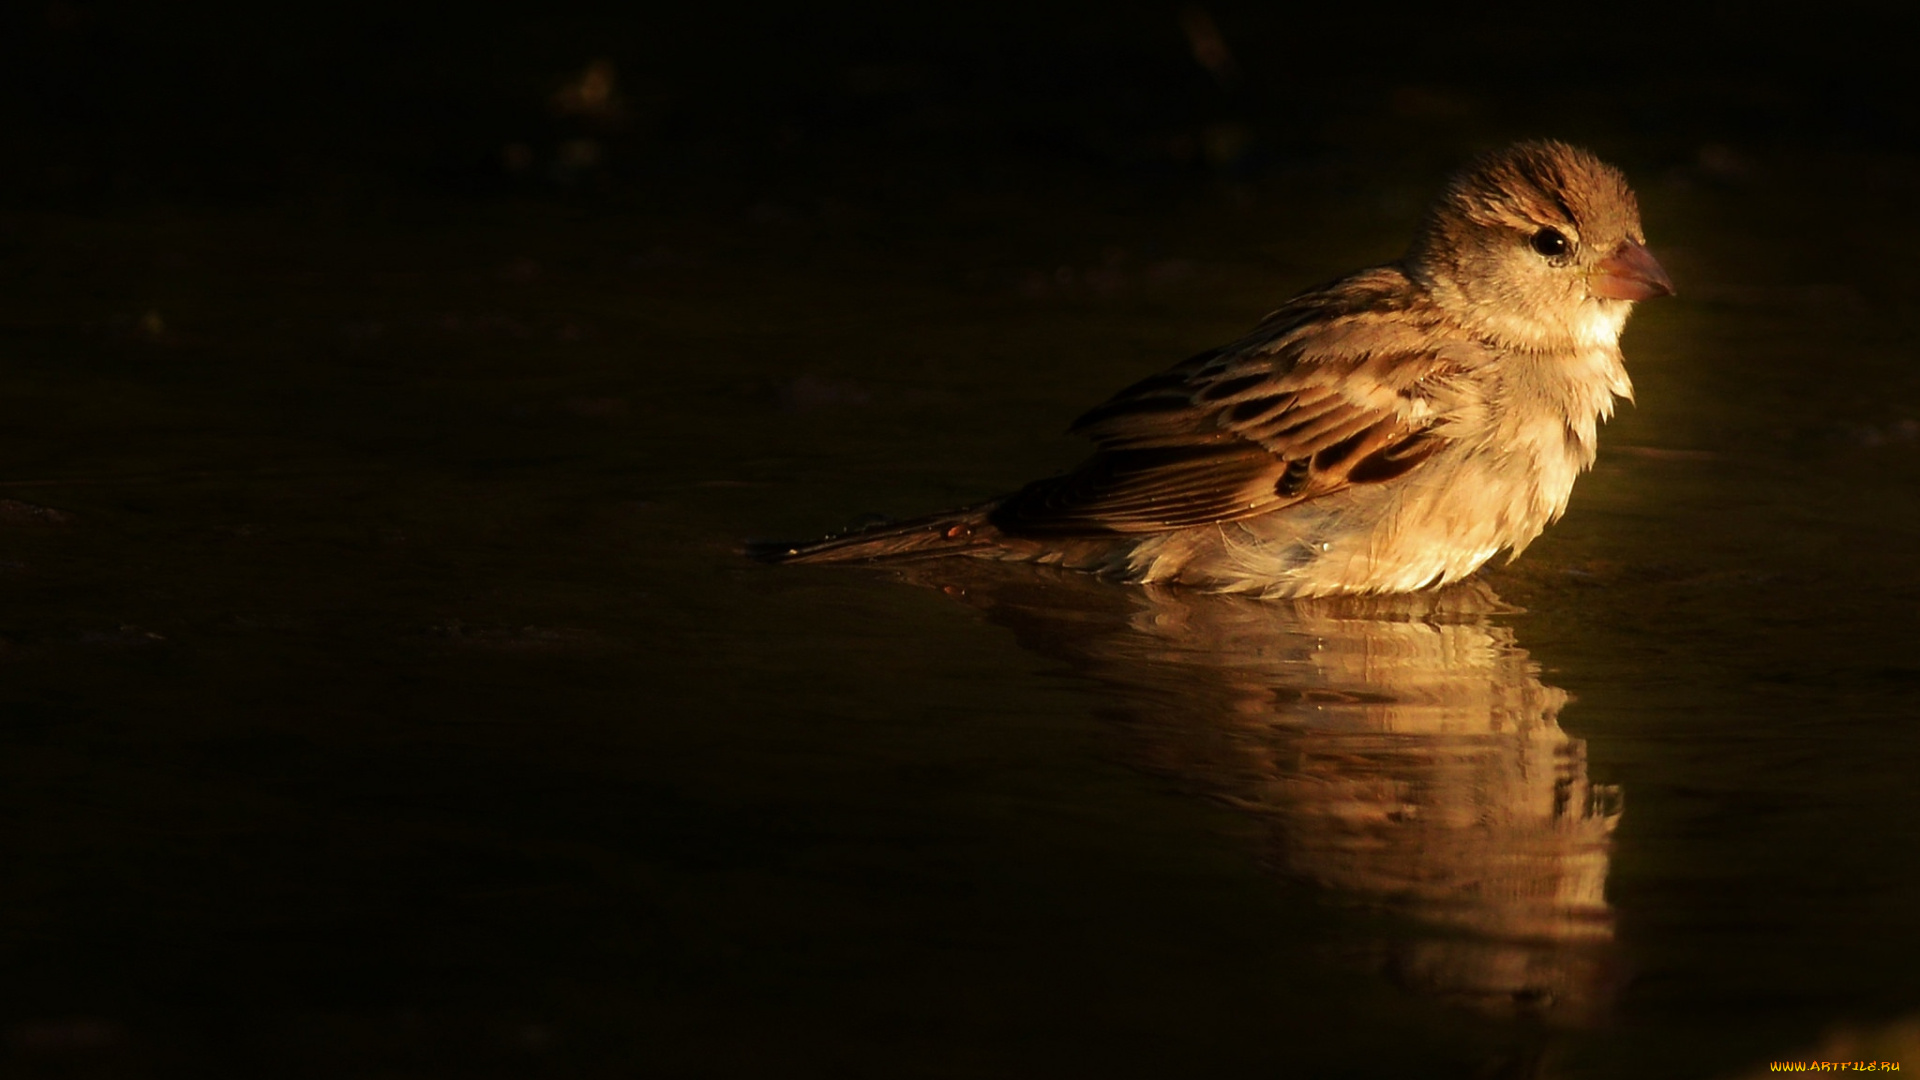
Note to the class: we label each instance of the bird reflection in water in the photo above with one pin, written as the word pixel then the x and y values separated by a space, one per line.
pixel 1402 751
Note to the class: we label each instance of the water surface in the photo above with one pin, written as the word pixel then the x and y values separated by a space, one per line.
pixel 384 683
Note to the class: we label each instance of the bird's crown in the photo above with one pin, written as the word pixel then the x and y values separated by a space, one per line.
pixel 1540 183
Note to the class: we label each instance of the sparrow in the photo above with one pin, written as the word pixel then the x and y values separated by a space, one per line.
pixel 1388 432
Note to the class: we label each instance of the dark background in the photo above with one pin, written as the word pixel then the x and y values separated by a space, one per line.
pixel 373 104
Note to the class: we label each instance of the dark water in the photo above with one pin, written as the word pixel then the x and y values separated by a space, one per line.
pixel 385 694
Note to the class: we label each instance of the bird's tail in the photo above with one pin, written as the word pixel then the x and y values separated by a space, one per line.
pixel 956 532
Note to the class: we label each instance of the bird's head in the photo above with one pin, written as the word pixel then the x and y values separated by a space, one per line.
pixel 1538 246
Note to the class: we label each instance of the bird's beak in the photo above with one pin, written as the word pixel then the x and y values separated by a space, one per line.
pixel 1630 273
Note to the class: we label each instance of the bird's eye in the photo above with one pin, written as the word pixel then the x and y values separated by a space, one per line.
pixel 1550 243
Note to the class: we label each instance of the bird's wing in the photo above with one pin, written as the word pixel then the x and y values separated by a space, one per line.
pixel 1340 387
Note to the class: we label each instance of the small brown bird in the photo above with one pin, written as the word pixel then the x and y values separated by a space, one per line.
pixel 1387 432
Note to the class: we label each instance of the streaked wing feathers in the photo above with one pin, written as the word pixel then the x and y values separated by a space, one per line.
pixel 1334 389
pixel 1145 490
